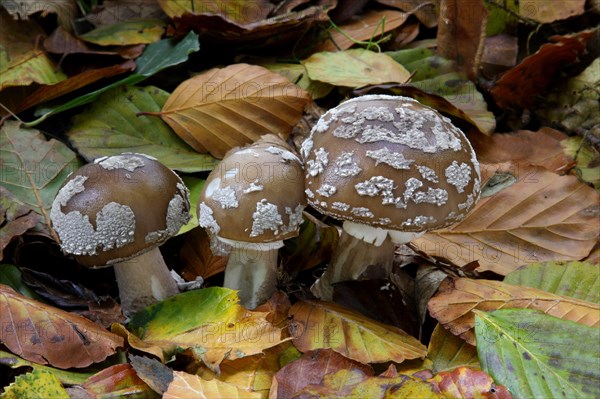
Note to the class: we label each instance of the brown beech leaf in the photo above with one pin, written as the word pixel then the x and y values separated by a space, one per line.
pixel 426 11
pixel 466 383
pixel 522 85
pixel 120 380
pixel 186 385
pixel 227 107
pixel 197 257
pixel 447 351
pixel 542 148
pixel 526 214
pixel 370 25
pixel 457 298
pixel 544 11
pixel 319 325
pixel 310 369
pixel 47 335
pixel 15 218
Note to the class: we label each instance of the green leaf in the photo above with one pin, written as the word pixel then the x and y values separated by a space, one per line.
pixel 539 356
pixel 111 126
pixel 579 280
pixel 156 57
pixel 30 67
pixel 500 20
pixel 138 31
pixel 64 376
pixel 447 351
pixel 35 385
pixel 195 185
pixel 34 168
pixel 10 275
pixel 296 73
pixel 586 156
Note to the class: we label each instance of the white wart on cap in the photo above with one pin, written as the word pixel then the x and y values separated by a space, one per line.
pixel 390 162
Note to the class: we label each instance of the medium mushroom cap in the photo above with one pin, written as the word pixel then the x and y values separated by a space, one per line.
pixel 255 194
pixel 390 162
pixel 119 207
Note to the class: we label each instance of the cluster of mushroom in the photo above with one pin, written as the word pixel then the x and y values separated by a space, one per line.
pixel 390 167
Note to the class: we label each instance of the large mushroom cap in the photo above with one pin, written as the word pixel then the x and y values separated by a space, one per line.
pixel 119 207
pixel 255 194
pixel 390 162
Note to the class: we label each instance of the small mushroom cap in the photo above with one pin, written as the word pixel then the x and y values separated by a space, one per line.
pixel 255 194
pixel 119 207
pixel 390 162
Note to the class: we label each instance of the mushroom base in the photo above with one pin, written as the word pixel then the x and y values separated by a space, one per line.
pixel 351 258
pixel 143 280
pixel 252 270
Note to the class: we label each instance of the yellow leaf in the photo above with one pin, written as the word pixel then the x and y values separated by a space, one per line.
pixel 191 386
pixel 227 107
pixel 35 385
pixel 319 324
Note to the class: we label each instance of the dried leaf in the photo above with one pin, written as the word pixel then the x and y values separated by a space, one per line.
pixel 110 126
pixel 152 372
pixel 137 31
pixel 64 10
pixel 186 385
pixel 354 68
pixel 197 257
pixel 210 321
pixel 545 12
pixel 579 280
pixel 33 168
pixel 11 276
pixel 48 335
pixel 587 159
pixel 522 85
pixel 319 325
pixel 447 351
pixel 535 355
pixel 15 218
pixel 117 381
pixel 539 217
pixel 297 74
pixel 239 11
pixel 113 11
pixel 64 376
pixel 34 385
pixel 461 33
pixel 466 383
pixel 425 10
pixel 457 299
pixel 310 369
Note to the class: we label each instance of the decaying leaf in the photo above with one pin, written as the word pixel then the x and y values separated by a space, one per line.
pixel 34 385
pixel 136 31
pixel 427 11
pixel 457 299
pixel 152 372
pixel 197 257
pixel 466 383
pixel 354 68
pixel 111 126
pixel 210 322
pixel 539 356
pixel 447 351
pixel 538 216
pixel 186 385
pixel 227 107
pixel 48 335
pixel 64 376
pixel 549 11
pixel 320 325
pixel 587 159
pixel 311 369
pixel 119 380
pixel 15 218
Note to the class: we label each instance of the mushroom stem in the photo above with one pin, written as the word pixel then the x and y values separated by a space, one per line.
pixel 143 280
pixel 351 258
pixel 252 271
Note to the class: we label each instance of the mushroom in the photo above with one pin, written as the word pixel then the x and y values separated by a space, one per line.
pixel 252 201
pixel 116 212
pixel 391 168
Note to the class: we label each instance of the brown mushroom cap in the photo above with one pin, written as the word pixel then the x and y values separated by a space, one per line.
pixel 255 194
pixel 390 162
pixel 119 207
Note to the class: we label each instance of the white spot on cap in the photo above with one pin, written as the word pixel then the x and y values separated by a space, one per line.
pixel 458 175
pixel 295 218
pixel 206 219
pixel 345 166
pixel 266 217
pixel 394 159
pixel 225 197
pixel 309 193
pixel 362 212
pixel 428 174
pixel 377 186
pixel 340 206
pixel 114 223
pixel 306 147
pixel 254 186
pixel 317 165
pixel 326 190
pixel 127 162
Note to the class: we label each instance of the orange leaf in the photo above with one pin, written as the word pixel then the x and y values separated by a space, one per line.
pixel 47 335
pixel 466 383
pixel 227 107
pixel 119 380
pixel 186 385
pixel 539 217
pixel 455 301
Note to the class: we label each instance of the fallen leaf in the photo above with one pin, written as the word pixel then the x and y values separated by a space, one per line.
pixel 503 17
pixel 539 217
pixel 48 335
pixel 209 321
pixel 191 386
pixel 447 351
pixel 33 168
pixel 320 325
pixel 137 31
pixel 366 28
pixel 587 159
pixel 579 280
pixel 64 10
pixel 296 73
pixel 114 11
pixel 239 11
pixel 454 304
pixel 535 355
pixel 427 11
pixel 523 85
pixel 152 372
pixel 197 257
pixel 116 381
pixel 549 11
pixel 15 218
pixel 466 383
pixel 354 68
pixel 542 148
pixel 10 275
pixel 34 385
pixel 310 369
pixel 31 67
pixel 499 54
pixel 461 33
pixel 64 376
pixel 110 127
pixel 227 107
